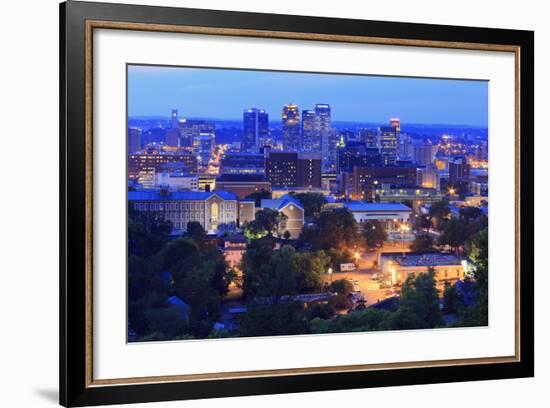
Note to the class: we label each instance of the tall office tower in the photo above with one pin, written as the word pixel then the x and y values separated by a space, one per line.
pixel 388 144
pixel 356 154
pixel 405 149
pixel 291 127
pixel 459 170
pixel 309 169
pixel 255 129
pixel 203 147
pixel 174 119
pixel 191 128
pixel 134 140
pixel 311 141
pixel 424 153
pixel 396 124
pixel 369 137
pixel 322 126
pixel 428 177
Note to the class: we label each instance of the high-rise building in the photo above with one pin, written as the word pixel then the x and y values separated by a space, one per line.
pixel 243 163
pixel 405 146
pixel 292 169
pixel 323 127
pixel 173 137
pixel 134 140
pixel 203 147
pixel 191 128
pixel 291 127
pixel 396 124
pixel 311 141
pixel 174 119
pixel 356 154
pixel 255 128
pixel 428 177
pixel 459 170
pixel 388 144
pixel 369 137
pixel 424 153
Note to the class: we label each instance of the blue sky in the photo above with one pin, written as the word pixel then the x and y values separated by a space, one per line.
pixel 223 94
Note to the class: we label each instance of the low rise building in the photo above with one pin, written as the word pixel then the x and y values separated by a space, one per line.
pixel 215 211
pixel 242 184
pixel 292 209
pixel 394 216
pixel 398 267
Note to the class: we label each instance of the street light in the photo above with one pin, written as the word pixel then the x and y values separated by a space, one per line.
pixel 330 274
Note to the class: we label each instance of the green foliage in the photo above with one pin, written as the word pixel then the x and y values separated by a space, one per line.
pixel 332 229
pixel 439 213
pixel 147 233
pixel 423 243
pixel 165 322
pixel 342 287
pixel 453 301
pixel 266 222
pixel 374 234
pixel 312 202
pixel 320 310
pixel 196 232
pixel 273 319
pixel 454 234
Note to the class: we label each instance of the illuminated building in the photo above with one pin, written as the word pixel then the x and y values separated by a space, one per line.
pixel 134 140
pixel 369 137
pixel 398 267
pixel 361 183
pixel 174 119
pixel 176 181
pixel 424 153
pixel 291 127
pixel 293 211
pixel 289 169
pixel 242 163
pixel 429 177
pixel 311 141
pixel 191 128
pixel 396 124
pixel 394 217
pixel 322 127
pixel 215 211
pixel 203 148
pixel 388 145
pixel 459 170
pixel 143 167
pixel 255 128
pixel 356 154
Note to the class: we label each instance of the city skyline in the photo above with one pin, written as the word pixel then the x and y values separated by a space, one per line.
pixel 155 90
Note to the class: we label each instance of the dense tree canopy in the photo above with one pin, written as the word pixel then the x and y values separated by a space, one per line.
pixel 312 202
pixel 374 234
pixel 335 228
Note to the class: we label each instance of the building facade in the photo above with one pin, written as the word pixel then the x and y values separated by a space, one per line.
pixel 293 212
pixel 291 127
pixel 255 129
pixel 215 211
pixel 311 141
pixel 388 144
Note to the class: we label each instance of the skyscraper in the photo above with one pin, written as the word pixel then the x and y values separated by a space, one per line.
pixel 369 137
pixel 396 124
pixel 203 147
pixel 255 128
pixel 424 153
pixel 174 119
pixel 459 170
pixel 388 144
pixel 292 169
pixel 310 137
pixel 291 127
pixel 322 127
pixel 191 128
pixel 134 140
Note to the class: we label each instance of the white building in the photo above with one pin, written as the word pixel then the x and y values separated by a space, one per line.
pixel 177 181
pixel 395 217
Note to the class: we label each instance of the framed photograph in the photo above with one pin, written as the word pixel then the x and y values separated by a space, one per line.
pixel 256 204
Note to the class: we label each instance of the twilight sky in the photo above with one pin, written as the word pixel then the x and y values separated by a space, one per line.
pixel 223 94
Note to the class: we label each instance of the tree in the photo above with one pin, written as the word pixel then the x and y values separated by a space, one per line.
pixel 335 228
pixel 258 196
pixel 266 222
pixel 374 234
pixel 439 213
pixel 342 287
pixel 423 243
pixel 147 232
pixel 273 319
pixel 196 232
pixel 309 269
pixel 454 234
pixel 453 301
pixel 312 202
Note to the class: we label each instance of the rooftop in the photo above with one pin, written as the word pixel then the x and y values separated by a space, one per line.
pixel 280 203
pixel 377 207
pixel 421 259
pixel 157 195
